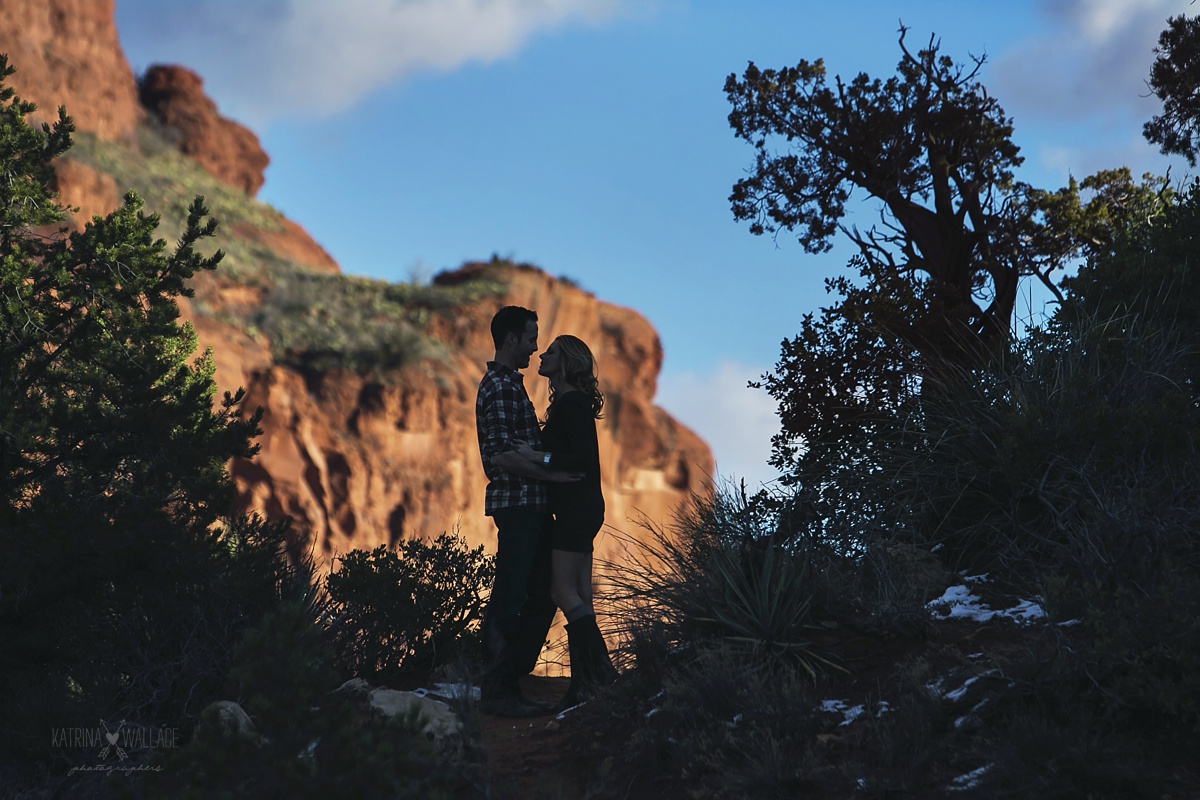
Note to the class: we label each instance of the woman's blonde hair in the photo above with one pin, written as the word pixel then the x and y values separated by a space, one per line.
pixel 577 367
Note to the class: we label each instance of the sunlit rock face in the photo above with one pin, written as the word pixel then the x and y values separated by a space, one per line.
pixel 360 463
pixel 190 121
pixel 67 54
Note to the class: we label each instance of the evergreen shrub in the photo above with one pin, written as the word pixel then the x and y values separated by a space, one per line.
pixel 397 611
pixel 124 582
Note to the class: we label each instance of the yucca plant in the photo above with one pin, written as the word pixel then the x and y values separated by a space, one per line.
pixel 719 576
pixel 760 602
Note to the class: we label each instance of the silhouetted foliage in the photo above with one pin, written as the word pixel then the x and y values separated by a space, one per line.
pixel 1064 463
pixel 308 741
pixel 1173 79
pixel 727 575
pixel 939 274
pixel 413 607
pixel 933 147
pixel 844 383
pixel 1149 275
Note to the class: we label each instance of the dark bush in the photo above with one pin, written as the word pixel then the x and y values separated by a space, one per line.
pixel 398 611
pixel 1040 732
pixel 168 653
pixel 1136 652
pixel 740 737
pixel 1073 455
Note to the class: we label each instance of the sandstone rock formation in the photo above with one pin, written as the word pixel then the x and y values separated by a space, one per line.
pixel 292 243
pixel 81 187
pixel 67 54
pixel 358 463
pixel 229 151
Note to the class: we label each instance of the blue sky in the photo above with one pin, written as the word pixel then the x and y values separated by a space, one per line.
pixel 589 137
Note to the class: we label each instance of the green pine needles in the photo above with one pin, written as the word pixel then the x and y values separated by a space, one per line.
pixel 112 462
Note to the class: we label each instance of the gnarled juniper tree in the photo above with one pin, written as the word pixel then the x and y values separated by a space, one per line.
pixel 940 270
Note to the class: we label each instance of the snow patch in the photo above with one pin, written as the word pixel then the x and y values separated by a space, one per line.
pixel 449 691
pixel 850 713
pixel 968 781
pixel 959 602
pixel 957 694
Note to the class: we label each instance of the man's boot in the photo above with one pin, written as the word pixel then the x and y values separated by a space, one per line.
pixel 499 686
pixel 530 637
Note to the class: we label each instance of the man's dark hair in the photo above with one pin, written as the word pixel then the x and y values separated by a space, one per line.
pixel 510 319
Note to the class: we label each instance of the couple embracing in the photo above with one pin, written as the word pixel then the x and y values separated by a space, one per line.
pixel 544 495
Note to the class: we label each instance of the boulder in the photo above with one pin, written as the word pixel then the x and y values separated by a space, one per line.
pixel 436 719
pixel 189 118
pixel 228 717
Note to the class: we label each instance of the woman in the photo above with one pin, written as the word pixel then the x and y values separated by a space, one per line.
pixel 569 439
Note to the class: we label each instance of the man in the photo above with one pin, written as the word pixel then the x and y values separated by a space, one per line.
pixel 520 610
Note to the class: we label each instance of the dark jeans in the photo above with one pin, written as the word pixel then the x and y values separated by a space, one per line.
pixel 520 609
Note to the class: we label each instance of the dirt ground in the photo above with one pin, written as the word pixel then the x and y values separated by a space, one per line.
pixel 528 758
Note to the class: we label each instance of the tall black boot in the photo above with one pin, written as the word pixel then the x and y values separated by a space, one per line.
pixel 576 652
pixel 601 671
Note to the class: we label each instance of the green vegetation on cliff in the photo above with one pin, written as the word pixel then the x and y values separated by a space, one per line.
pixel 313 320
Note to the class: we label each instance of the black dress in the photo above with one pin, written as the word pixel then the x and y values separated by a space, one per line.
pixel 570 437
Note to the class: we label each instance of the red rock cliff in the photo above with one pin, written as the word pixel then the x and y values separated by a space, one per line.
pixel 230 152
pixel 361 463
pixel 67 54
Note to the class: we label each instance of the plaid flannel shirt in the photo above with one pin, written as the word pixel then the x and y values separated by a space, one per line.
pixel 503 414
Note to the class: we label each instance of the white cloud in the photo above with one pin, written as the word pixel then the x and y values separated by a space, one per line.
pixel 278 58
pixel 1082 80
pixel 1093 59
pixel 737 422
pixel 1102 20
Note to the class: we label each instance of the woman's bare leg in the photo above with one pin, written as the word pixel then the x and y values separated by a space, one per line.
pixel 571 583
